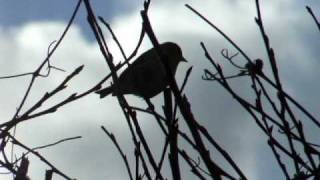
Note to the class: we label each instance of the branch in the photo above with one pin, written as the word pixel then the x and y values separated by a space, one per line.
pixel 184 106
pixel 313 17
pixel 43 159
pixel 124 157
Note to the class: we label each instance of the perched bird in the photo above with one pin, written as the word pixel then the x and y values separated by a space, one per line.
pixel 146 76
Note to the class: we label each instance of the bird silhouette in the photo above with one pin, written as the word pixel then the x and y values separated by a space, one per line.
pixel 146 76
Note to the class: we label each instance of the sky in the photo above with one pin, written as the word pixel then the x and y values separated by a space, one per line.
pixel 28 27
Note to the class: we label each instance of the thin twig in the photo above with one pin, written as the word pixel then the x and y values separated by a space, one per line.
pixel 313 17
pixel 17 75
pixel 220 32
pixel 57 142
pixel 124 157
pixel 114 37
pixel 43 159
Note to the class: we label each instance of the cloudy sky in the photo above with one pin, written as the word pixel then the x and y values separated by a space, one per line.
pixel 28 27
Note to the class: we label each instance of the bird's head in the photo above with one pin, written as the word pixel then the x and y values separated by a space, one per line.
pixel 174 53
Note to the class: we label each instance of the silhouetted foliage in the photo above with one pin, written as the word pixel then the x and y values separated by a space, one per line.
pixel 304 155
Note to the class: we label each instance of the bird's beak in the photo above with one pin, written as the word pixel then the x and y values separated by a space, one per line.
pixel 183 59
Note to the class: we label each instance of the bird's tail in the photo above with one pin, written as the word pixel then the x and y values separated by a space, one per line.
pixel 105 92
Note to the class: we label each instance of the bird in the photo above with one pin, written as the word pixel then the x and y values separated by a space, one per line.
pixel 146 76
